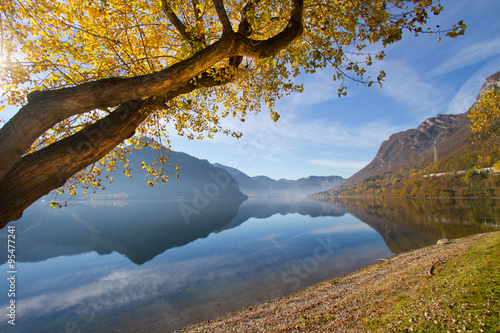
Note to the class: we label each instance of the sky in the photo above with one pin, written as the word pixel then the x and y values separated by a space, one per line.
pixel 321 134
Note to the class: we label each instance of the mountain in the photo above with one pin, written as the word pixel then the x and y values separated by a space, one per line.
pixel 247 184
pixel 198 180
pixel 263 185
pixel 435 139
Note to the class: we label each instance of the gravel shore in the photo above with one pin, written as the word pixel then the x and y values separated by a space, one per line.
pixel 344 303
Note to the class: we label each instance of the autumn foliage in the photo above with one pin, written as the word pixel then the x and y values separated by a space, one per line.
pixel 89 75
pixel 465 173
pixel 485 118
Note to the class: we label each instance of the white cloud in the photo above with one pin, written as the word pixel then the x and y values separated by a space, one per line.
pixel 348 164
pixel 466 96
pixel 266 140
pixel 318 87
pixel 407 85
pixel 111 291
pixel 119 288
pixel 338 134
pixel 346 228
pixel 469 55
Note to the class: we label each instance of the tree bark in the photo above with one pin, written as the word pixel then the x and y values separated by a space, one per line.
pixel 24 179
pixel 47 108
pixel 36 174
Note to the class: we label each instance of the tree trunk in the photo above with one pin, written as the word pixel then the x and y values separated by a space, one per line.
pixel 36 174
pixel 25 179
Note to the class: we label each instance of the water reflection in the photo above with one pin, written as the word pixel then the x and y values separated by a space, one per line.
pixel 141 230
pixel 157 266
pixel 407 224
pixel 262 208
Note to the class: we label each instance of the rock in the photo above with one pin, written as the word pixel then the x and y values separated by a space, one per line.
pixel 437 137
pixel 443 241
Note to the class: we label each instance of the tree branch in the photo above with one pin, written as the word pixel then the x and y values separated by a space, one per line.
pixel 244 29
pixel 200 25
pixel 24 179
pixel 36 174
pixel 269 47
pixel 47 108
pixel 223 18
pixel 176 22
pixel 196 10
pixel 47 169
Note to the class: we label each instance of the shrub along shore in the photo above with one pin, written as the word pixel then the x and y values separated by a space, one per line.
pixel 447 287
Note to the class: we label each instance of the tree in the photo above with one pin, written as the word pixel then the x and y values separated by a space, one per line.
pixel 87 75
pixel 485 118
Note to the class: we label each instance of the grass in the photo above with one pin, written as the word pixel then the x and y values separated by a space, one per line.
pixel 463 295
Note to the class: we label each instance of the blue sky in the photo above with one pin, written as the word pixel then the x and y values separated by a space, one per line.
pixel 320 134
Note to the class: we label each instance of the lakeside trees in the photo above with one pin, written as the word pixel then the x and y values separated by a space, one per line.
pixel 463 174
pixel 88 75
pixel 485 118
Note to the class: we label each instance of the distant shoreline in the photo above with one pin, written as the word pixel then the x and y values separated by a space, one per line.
pixel 319 197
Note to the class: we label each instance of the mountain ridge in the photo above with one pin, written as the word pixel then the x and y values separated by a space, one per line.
pixel 264 185
pixel 198 180
pixel 434 139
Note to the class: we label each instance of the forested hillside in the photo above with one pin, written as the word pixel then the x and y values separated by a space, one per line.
pixel 463 174
pixel 446 156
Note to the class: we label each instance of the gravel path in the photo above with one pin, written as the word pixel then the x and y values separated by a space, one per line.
pixel 344 303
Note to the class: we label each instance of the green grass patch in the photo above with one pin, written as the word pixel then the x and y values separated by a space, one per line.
pixel 462 296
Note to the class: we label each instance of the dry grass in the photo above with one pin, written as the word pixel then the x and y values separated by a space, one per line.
pixel 463 296
pixel 356 302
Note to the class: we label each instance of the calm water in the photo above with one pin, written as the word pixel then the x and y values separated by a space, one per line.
pixel 158 266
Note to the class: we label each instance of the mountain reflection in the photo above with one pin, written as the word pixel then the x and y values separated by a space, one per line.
pixel 407 224
pixel 141 230
pixel 210 256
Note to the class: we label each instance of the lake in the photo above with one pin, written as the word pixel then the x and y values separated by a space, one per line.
pixel 157 266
